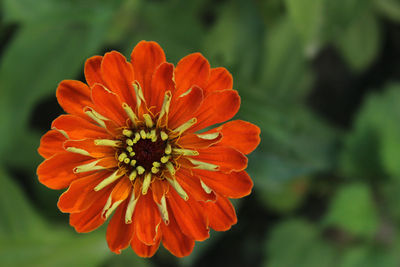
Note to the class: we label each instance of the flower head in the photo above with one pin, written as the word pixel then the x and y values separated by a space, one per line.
pixel 130 145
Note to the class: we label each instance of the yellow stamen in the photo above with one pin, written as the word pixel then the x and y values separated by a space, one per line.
pixel 139 93
pixel 132 154
pixel 168 149
pixel 109 180
pixel 152 134
pixel 170 168
pixel 205 187
pixel 133 163
pixel 148 120
pixel 209 136
pixel 108 208
pixel 164 159
pixel 146 183
pixel 143 134
pixel 96 116
pixel 88 167
pixel 132 116
pixel 162 207
pixel 164 136
pixel 165 107
pixel 131 208
pixel 127 160
pixel 154 170
pixel 78 151
pixel 203 165
pixel 156 164
pixel 140 169
pixel 133 175
pixel 127 133
pixel 186 125
pixel 129 149
pixel 122 157
pixel 186 93
pixel 129 142
pixel 106 142
pixel 137 138
pixel 178 188
pixel 185 152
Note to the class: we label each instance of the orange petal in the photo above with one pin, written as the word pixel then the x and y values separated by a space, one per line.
pixel 147 219
pixel 89 146
pixel 191 70
pixel 189 216
pixel 221 214
pixel 108 162
pixel 119 234
pixel 73 96
pixel 217 107
pixel 162 81
pixel 220 79
pixel 241 135
pixel 81 195
pixel 108 104
pixel 228 159
pixel 232 185
pixel 145 58
pixel 89 219
pixel 77 128
pixel 93 71
pixel 183 108
pixel 192 184
pixel 174 240
pixel 118 74
pixel 143 250
pixel 57 171
pixel 194 141
pixel 51 143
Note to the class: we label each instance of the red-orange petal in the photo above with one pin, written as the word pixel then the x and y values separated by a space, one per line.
pixel 119 234
pixel 77 128
pixel 118 74
pixel 143 250
pixel 145 58
pixel 89 146
pixel 159 188
pixel 220 79
pixel 194 141
pixel 120 192
pixel 192 184
pixel 162 81
pixel 232 185
pixel 108 104
pixel 57 171
pixel 191 70
pixel 183 108
pixel 228 159
pixel 93 71
pixel 147 219
pixel 73 97
pixel 51 143
pixel 81 195
pixel 217 107
pixel 221 214
pixel 189 216
pixel 241 135
pixel 174 240
pixel 89 219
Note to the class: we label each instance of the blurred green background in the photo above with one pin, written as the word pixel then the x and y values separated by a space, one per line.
pixel 320 77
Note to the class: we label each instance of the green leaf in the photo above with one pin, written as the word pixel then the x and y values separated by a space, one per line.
pixel 371 150
pixel 306 16
pixel 297 243
pixel 389 8
pixel 360 42
pixel 353 210
pixel 369 257
pixel 26 240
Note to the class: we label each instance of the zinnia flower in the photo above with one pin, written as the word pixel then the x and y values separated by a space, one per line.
pixel 131 144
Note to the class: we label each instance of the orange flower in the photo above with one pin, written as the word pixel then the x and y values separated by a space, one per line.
pixel 130 144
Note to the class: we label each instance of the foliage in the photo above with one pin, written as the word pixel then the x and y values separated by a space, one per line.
pixel 326 191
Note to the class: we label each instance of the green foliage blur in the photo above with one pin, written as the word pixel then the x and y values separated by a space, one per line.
pixel 320 77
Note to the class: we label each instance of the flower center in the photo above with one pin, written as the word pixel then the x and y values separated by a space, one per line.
pixel 144 150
